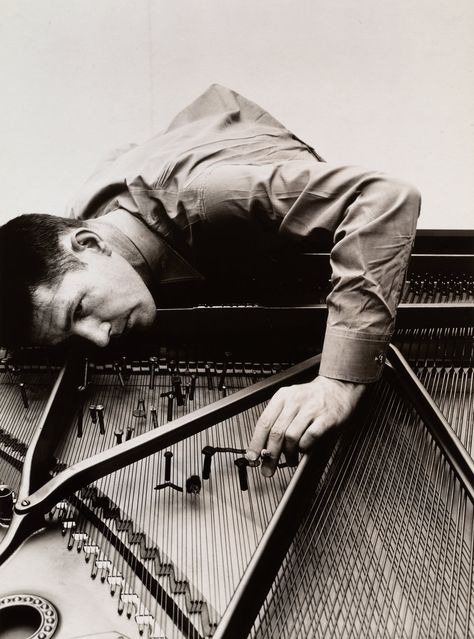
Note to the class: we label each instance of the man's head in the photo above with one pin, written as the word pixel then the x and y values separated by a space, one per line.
pixel 59 277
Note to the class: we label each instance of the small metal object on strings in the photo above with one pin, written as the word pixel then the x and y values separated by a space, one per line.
pixel 100 415
pixel 210 383
pixel 178 392
pixel 168 455
pixel 140 409
pixel 154 417
pixel 225 366
pixel 24 396
pixel 118 372
pixel 192 388
pixel 93 413
pixel 153 361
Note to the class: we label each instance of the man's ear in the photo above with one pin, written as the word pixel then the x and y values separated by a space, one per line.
pixel 84 238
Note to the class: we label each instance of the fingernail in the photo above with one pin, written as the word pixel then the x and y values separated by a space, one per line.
pixel 251 455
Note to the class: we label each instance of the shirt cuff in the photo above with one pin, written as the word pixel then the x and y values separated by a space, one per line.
pixel 353 356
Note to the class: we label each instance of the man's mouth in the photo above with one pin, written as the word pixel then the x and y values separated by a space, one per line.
pixel 124 329
pixel 127 325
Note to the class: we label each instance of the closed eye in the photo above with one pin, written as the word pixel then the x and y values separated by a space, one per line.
pixel 78 311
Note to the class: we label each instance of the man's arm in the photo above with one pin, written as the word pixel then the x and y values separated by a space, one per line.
pixel 373 219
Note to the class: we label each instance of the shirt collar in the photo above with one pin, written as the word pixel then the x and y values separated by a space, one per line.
pixel 165 264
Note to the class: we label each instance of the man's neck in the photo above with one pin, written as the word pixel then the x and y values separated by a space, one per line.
pixel 124 235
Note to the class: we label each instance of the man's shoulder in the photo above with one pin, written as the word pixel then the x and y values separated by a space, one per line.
pixel 206 132
pixel 218 99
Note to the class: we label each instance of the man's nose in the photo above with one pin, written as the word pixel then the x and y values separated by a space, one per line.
pixel 94 330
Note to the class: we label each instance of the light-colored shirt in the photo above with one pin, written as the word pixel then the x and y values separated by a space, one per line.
pixel 227 181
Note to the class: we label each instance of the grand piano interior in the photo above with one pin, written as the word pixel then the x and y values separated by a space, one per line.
pixel 127 508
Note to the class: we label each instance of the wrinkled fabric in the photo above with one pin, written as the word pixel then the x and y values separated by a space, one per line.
pixel 226 182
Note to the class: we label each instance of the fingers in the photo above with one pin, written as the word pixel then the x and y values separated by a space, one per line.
pixel 316 429
pixel 263 427
pixel 276 439
pixel 297 416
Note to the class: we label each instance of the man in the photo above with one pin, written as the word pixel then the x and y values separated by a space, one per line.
pixel 222 188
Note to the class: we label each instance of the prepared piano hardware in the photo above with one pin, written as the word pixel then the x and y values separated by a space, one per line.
pixel 122 472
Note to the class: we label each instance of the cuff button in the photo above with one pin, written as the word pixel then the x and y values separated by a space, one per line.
pixel 380 359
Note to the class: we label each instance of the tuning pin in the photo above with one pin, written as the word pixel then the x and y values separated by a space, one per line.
pixel 129 434
pixel 224 390
pixel 119 436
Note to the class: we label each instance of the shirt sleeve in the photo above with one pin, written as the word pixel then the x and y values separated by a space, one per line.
pixel 372 218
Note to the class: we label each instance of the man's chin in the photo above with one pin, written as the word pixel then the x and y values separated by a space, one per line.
pixel 142 323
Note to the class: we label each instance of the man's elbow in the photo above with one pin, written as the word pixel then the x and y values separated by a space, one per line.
pixel 403 204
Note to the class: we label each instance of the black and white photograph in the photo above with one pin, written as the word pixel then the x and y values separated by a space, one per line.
pixel 236 319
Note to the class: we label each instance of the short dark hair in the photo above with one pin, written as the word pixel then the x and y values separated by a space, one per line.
pixel 30 255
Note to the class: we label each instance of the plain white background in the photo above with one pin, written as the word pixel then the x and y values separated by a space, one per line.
pixel 387 84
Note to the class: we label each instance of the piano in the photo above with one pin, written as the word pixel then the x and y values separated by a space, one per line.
pixel 128 509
